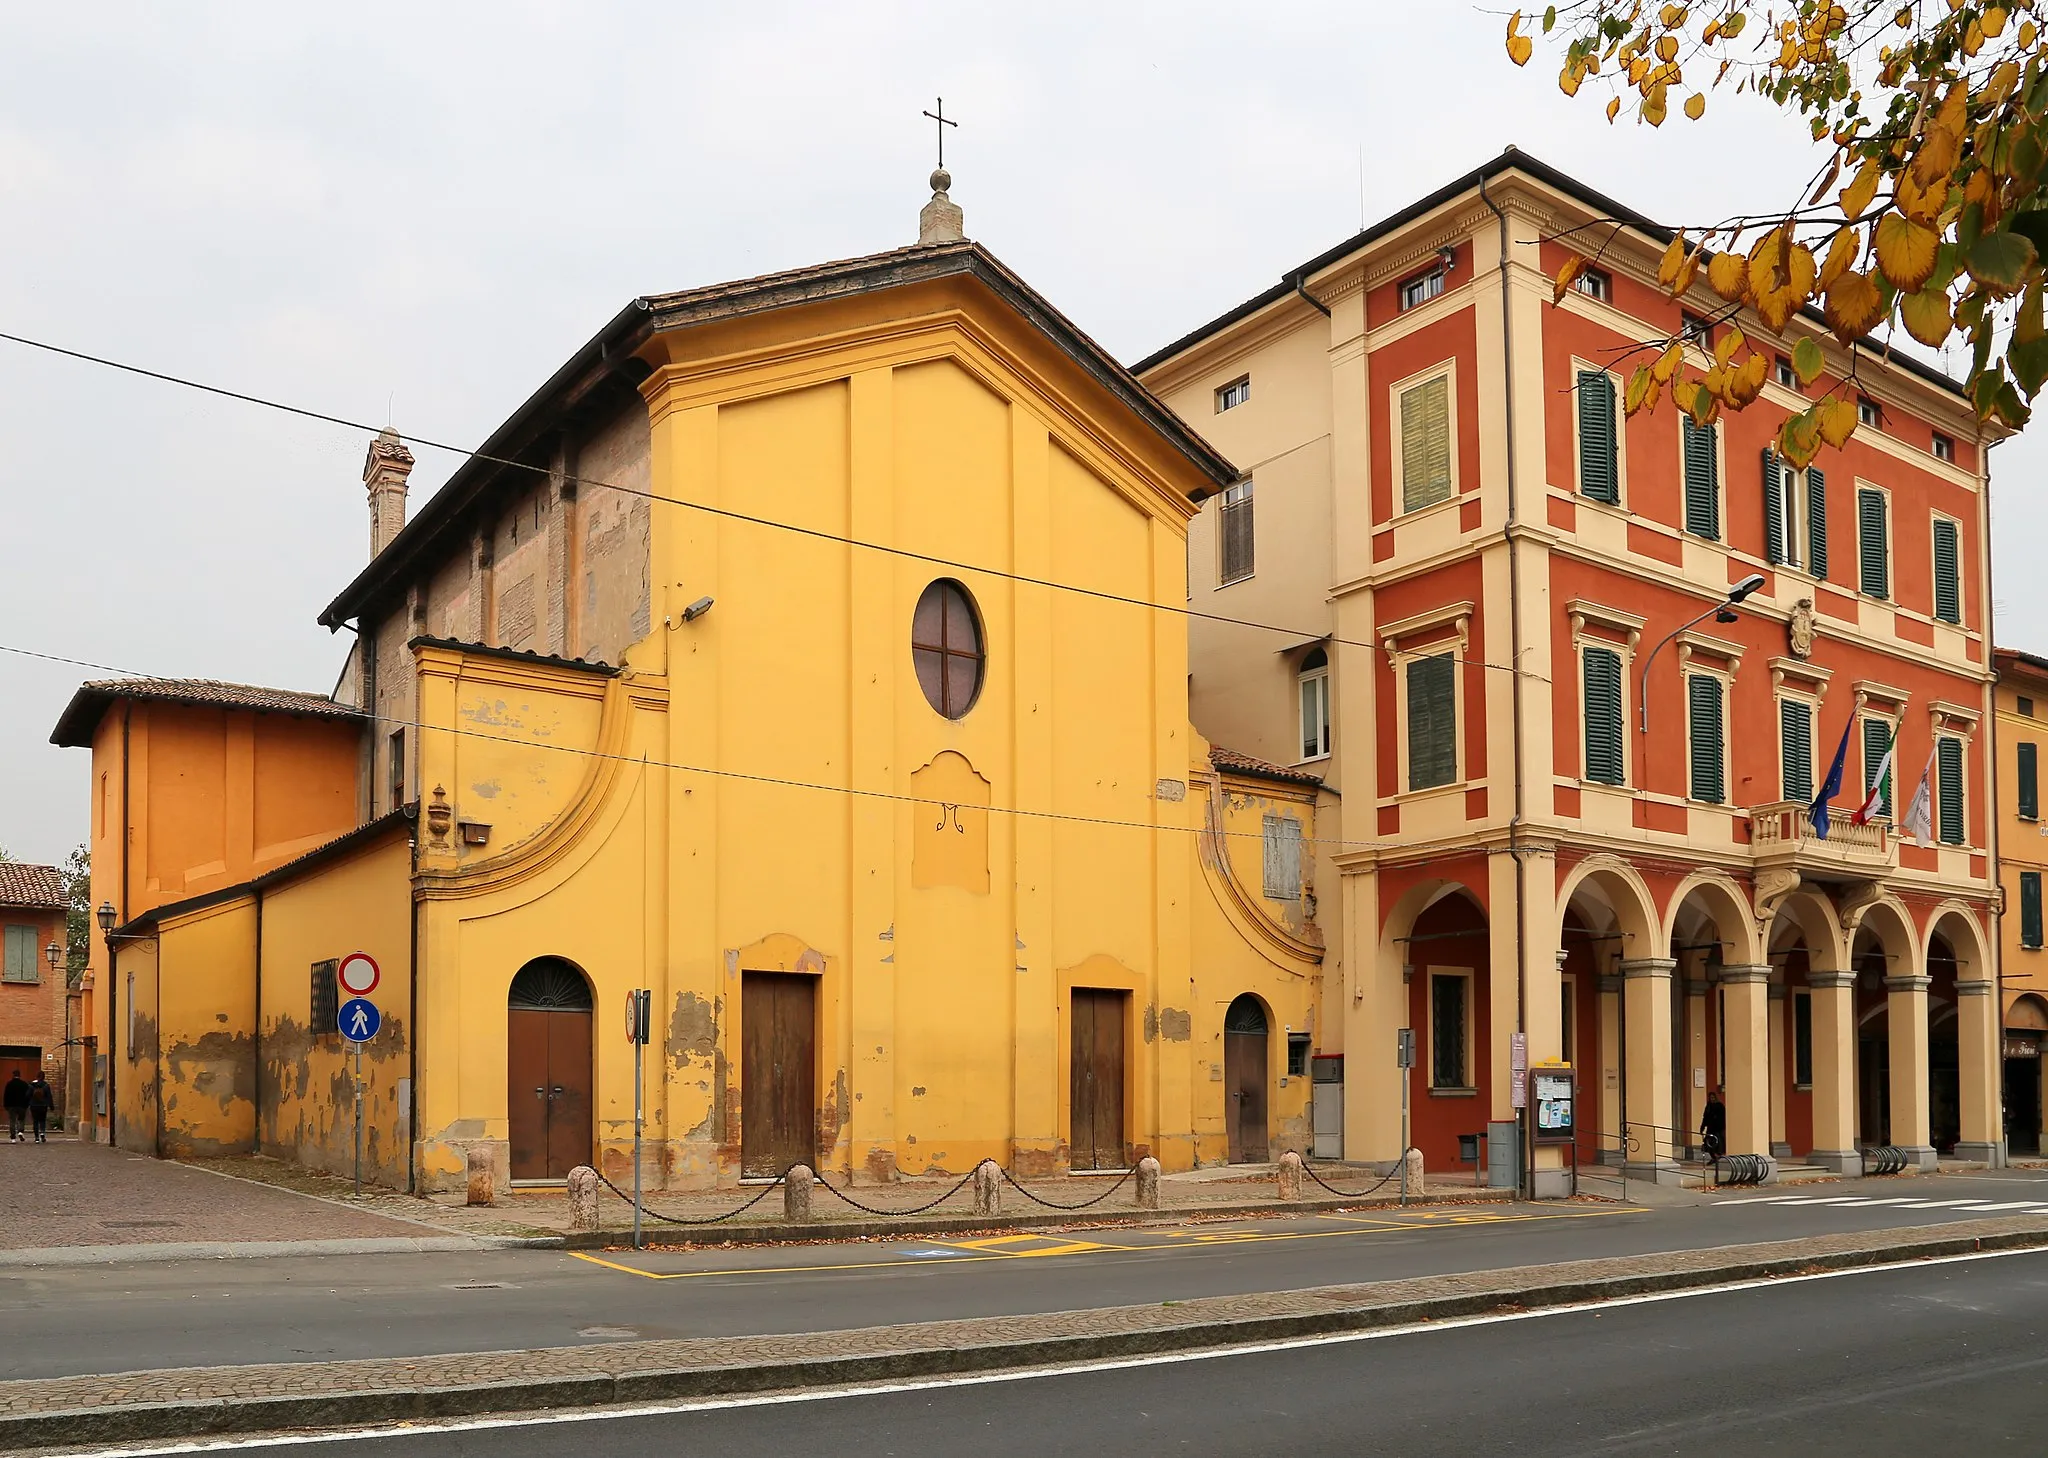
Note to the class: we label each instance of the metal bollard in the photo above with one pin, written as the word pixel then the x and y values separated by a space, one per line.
pixel 988 1188
pixel 481 1162
pixel 1148 1183
pixel 583 1198
pixel 1290 1176
pixel 796 1192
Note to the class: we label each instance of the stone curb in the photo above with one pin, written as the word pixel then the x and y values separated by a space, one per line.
pixel 942 1348
pixel 657 1234
pixel 140 1252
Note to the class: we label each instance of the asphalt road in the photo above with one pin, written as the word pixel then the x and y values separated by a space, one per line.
pixel 102 1319
pixel 1934 1359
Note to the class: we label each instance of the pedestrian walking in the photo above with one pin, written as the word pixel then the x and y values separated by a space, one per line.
pixel 16 1099
pixel 1714 1125
pixel 40 1101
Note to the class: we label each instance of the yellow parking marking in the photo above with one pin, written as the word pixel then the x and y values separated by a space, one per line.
pixel 1022 1245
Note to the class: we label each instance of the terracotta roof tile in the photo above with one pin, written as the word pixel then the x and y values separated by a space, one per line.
pixel 1234 762
pixel 22 884
pixel 82 715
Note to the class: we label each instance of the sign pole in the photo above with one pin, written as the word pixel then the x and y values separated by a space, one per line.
pixel 639 1089
pixel 359 1120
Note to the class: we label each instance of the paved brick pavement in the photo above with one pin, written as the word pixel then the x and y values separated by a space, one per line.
pixel 186 1401
pixel 69 1194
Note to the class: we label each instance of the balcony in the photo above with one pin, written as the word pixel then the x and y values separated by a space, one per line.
pixel 1782 837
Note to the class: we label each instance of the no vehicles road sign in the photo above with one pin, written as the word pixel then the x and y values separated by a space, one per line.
pixel 359 1020
pixel 357 974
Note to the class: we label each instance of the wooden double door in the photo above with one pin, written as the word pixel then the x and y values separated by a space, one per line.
pixel 778 1072
pixel 1096 1136
pixel 550 1103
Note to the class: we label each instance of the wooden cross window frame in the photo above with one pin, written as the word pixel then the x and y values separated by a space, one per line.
pixel 947 649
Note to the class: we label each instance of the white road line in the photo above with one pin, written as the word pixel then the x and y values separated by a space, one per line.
pixel 1832 1200
pixel 2011 1205
pixel 1029 1374
pixel 1894 1200
pixel 1945 1204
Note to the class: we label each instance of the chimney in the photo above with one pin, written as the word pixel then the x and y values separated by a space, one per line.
pixel 384 471
pixel 941 221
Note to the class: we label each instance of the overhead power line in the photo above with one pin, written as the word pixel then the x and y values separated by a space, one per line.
pixel 818 534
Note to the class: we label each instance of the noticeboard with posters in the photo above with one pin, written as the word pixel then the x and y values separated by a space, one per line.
pixel 1551 1090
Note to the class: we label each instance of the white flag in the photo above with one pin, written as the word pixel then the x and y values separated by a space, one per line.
pixel 1919 821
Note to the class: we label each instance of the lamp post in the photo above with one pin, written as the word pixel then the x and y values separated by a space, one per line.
pixel 1719 611
pixel 105 917
pixel 54 955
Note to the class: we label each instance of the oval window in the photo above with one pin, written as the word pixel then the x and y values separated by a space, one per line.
pixel 945 644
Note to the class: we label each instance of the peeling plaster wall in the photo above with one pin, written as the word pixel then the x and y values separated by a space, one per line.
pixel 205 1062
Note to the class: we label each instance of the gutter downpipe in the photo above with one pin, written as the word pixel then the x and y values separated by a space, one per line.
pixel 1508 534
pixel 114 1049
pixel 1315 303
pixel 1995 951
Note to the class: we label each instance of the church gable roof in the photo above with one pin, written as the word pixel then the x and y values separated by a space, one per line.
pixel 81 716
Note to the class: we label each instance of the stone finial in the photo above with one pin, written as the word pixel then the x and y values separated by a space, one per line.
pixel 481 1165
pixel 385 469
pixel 1148 1183
pixel 1290 1176
pixel 941 221
pixel 583 1198
pixel 988 1188
pixel 796 1192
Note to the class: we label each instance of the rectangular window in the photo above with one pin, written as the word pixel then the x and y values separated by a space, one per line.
pixel 1599 473
pixel 1795 750
pixel 1944 448
pixel 1948 787
pixel 1234 394
pixel 1604 754
pixel 397 769
pixel 21 953
pixel 324 1004
pixel 1297 1055
pixel 1696 328
pixel 1802 1039
pixel 1867 412
pixel 1426 443
pixel 2030 910
pixel 2025 705
pixel 1283 857
pixel 1450 1005
pixel 1948 584
pixel 1873 544
pixel 1702 480
pixel 1816 522
pixel 1432 722
pixel 1781 511
pixel 2029 781
pixel 1785 376
pixel 1706 740
pixel 1234 524
pixel 1594 285
pixel 1419 291
pixel 1877 738
pixel 1315 714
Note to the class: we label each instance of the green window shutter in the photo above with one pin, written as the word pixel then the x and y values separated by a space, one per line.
pixel 1603 716
pixel 1873 554
pixel 1949 787
pixel 1877 737
pixel 1426 444
pixel 20 955
pixel 1707 749
pixel 1774 507
pixel 2030 781
pixel 1702 494
pixel 1599 474
pixel 1816 521
pixel 2030 909
pixel 1432 722
pixel 1948 586
pixel 1795 749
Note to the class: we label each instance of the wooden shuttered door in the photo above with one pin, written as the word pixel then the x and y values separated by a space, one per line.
pixel 1873 547
pixel 1706 739
pixel 2029 780
pixel 1775 525
pixel 1877 738
pixel 1702 493
pixel 2030 908
pixel 1426 444
pixel 1816 522
pixel 1599 471
pixel 1948 587
pixel 1603 716
pixel 1235 525
pixel 1432 722
pixel 1948 769
pixel 1795 749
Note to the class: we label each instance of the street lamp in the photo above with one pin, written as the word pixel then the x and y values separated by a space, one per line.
pixel 1719 612
pixel 53 954
pixel 105 917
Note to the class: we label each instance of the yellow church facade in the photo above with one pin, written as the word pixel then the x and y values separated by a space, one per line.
pixel 811 652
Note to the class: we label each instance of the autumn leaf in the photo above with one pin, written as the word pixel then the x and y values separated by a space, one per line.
pixel 1728 274
pixel 1668 266
pixel 1852 306
pixel 1841 256
pixel 1642 390
pixel 2000 258
pixel 1799 439
pixel 1520 47
pixel 1861 191
pixel 1654 106
pixel 1807 361
pixel 1724 348
pixel 1696 105
pixel 1906 251
pixel 1746 382
pixel 1836 418
pixel 1926 315
pixel 1573 267
pixel 1668 362
pixel 1921 203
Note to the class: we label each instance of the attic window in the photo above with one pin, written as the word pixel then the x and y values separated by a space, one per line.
pixel 1944 448
pixel 1419 291
pixel 1595 285
pixel 1234 394
pixel 1867 412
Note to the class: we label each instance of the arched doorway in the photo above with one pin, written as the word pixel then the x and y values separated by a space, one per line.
pixel 1244 1079
pixel 548 1067
pixel 2026 1029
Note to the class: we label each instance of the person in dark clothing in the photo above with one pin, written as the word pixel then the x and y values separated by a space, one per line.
pixel 16 1099
pixel 40 1101
pixel 1714 1125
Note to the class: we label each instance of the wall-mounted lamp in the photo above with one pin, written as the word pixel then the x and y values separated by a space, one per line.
pixel 1448 256
pixel 696 609
pixel 1720 612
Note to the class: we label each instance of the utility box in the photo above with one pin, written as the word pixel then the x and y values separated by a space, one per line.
pixel 1326 1106
pixel 1503 1155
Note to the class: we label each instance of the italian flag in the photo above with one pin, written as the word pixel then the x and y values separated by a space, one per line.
pixel 1880 784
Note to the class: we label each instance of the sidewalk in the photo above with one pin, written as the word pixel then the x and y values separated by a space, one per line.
pixel 192 1402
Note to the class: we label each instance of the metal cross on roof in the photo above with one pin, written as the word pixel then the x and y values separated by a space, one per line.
pixel 944 121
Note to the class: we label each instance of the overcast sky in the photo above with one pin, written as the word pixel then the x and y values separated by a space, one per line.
pixel 421 210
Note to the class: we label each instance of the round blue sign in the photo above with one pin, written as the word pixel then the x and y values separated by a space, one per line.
pixel 359 1020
